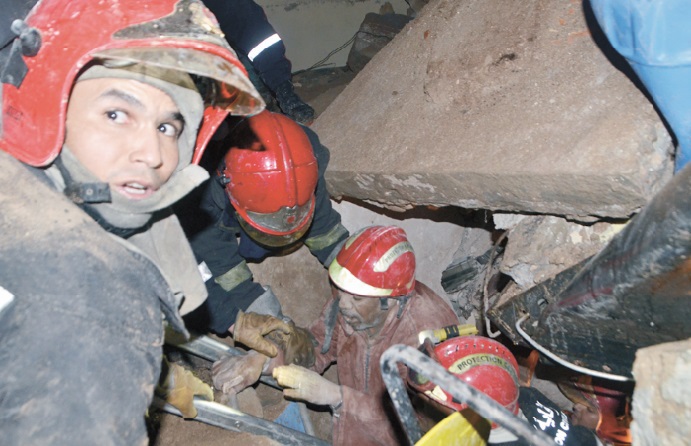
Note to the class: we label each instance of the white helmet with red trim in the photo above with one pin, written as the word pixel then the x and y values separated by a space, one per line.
pixel 377 261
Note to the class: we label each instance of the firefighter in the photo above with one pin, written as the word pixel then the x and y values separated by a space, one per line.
pixel 261 48
pixel 376 302
pixel 268 193
pixel 100 122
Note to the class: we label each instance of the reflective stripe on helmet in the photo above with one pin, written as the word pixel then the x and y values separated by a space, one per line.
pixel 392 255
pixel 347 282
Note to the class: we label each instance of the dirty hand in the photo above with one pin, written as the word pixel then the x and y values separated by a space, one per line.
pixel 180 387
pixel 250 329
pixel 297 346
pixel 303 384
pixel 233 374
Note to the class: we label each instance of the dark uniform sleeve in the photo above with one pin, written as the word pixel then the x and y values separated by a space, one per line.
pixel 212 231
pixel 327 233
pixel 245 26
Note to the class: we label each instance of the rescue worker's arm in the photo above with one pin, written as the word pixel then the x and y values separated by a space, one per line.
pixel 234 299
pixel 249 32
pixel 326 234
pixel 226 275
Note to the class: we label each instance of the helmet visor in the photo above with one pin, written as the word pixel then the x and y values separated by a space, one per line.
pixel 220 82
pixel 284 221
pixel 273 240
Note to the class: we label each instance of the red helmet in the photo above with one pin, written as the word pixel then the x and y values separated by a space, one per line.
pixel 271 175
pixel 377 261
pixel 484 363
pixel 178 35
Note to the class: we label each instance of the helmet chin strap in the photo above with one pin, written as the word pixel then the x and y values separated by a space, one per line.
pixel 114 212
pixel 81 193
pixel 402 301
pixel 86 194
pixel 384 303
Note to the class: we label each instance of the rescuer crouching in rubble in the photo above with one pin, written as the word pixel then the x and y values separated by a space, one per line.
pixel 266 194
pixel 376 302
pixel 100 122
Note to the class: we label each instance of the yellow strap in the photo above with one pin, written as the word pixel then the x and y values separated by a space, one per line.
pixel 234 277
pixel 325 240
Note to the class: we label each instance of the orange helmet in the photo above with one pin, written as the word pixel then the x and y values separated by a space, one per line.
pixel 66 36
pixel 482 363
pixel 377 261
pixel 271 176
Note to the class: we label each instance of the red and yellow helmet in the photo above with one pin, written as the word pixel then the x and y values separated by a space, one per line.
pixel 377 261
pixel 272 175
pixel 481 362
pixel 171 34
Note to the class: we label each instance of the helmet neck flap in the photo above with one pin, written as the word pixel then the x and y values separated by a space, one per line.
pixel 112 211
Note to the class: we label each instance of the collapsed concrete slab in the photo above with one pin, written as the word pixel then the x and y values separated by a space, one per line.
pixel 485 105
pixel 539 247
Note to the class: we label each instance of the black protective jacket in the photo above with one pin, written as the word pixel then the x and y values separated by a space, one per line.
pixel 245 26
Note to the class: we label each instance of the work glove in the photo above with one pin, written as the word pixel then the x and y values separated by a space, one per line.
pixel 292 105
pixel 233 374
pixel 298 345
pixel 250 329
pixel 303 384
pixel 179 388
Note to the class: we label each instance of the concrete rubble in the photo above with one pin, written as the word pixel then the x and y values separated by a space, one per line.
pixel 480 105
pixel 662 398
pixel 520 112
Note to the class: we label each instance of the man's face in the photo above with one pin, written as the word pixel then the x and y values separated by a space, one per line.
pixel 585 416
pixel 360 312
pixel 124 132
